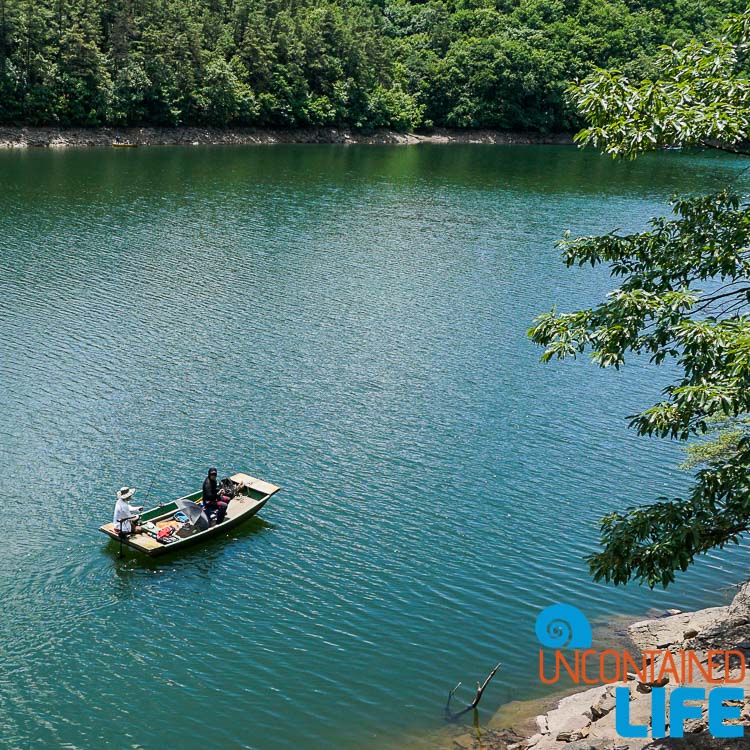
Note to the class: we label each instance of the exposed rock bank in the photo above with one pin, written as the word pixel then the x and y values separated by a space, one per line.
pixel 24 137
pixel 586 720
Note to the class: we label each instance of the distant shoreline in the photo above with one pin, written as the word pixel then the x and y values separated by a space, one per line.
pixel 53 137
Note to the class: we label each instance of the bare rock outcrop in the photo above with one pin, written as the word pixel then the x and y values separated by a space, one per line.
pixel 586 720
pixel 55 137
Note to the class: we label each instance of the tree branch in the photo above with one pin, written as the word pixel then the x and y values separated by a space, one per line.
pixel 478 697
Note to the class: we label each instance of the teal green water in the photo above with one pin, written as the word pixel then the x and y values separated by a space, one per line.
pixel 350 324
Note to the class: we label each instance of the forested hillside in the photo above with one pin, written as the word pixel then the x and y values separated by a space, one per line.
pixel 285 63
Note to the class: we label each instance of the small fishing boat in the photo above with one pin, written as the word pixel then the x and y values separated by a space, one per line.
pixel 183 521
pixel 116 144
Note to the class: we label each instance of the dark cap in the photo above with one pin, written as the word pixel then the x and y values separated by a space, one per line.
pixel 212 470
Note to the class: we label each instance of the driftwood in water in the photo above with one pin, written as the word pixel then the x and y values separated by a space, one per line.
pixel 478 697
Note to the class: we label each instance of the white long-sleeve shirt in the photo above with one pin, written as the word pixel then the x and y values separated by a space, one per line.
pixel 123 513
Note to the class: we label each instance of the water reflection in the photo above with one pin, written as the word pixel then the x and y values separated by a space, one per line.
pixel 200 560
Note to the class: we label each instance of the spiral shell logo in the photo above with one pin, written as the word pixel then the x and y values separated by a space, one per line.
pixel 563 626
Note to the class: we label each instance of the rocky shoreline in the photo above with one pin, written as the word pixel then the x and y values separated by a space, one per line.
pixel 586 720
pixel 50 137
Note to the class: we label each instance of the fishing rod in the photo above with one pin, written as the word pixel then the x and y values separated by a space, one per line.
pixel 148 492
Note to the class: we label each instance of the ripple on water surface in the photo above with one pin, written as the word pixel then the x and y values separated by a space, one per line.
pixel 349 323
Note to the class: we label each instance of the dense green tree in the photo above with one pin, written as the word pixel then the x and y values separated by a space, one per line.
pixel 130 89
pixel 391 63
pixel 684 296
pixel 84 87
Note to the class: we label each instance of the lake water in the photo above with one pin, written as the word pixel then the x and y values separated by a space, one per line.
pixel 349 323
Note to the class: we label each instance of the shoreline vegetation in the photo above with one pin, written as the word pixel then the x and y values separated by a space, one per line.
pixel 317 63
pixel 585 719
pixel 12 137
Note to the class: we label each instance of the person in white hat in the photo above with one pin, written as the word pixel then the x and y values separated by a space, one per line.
pixel 126 515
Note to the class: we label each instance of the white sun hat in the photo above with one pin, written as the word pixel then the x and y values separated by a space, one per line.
pixel 125 492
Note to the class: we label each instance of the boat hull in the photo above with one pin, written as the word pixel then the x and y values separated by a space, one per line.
pixel 254 494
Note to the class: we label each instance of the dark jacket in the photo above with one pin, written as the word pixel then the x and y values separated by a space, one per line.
pixel 210 492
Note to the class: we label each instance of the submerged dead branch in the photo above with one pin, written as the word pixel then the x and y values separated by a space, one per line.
pixel 478 697
pixel 450 695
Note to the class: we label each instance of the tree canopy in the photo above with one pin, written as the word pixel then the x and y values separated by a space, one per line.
pixel 363 63
pixel 684 295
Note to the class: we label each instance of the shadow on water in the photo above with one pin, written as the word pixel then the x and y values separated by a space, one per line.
pixel 199 557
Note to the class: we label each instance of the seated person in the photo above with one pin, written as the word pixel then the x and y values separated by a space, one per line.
pixel 213 502
pixel 126 516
